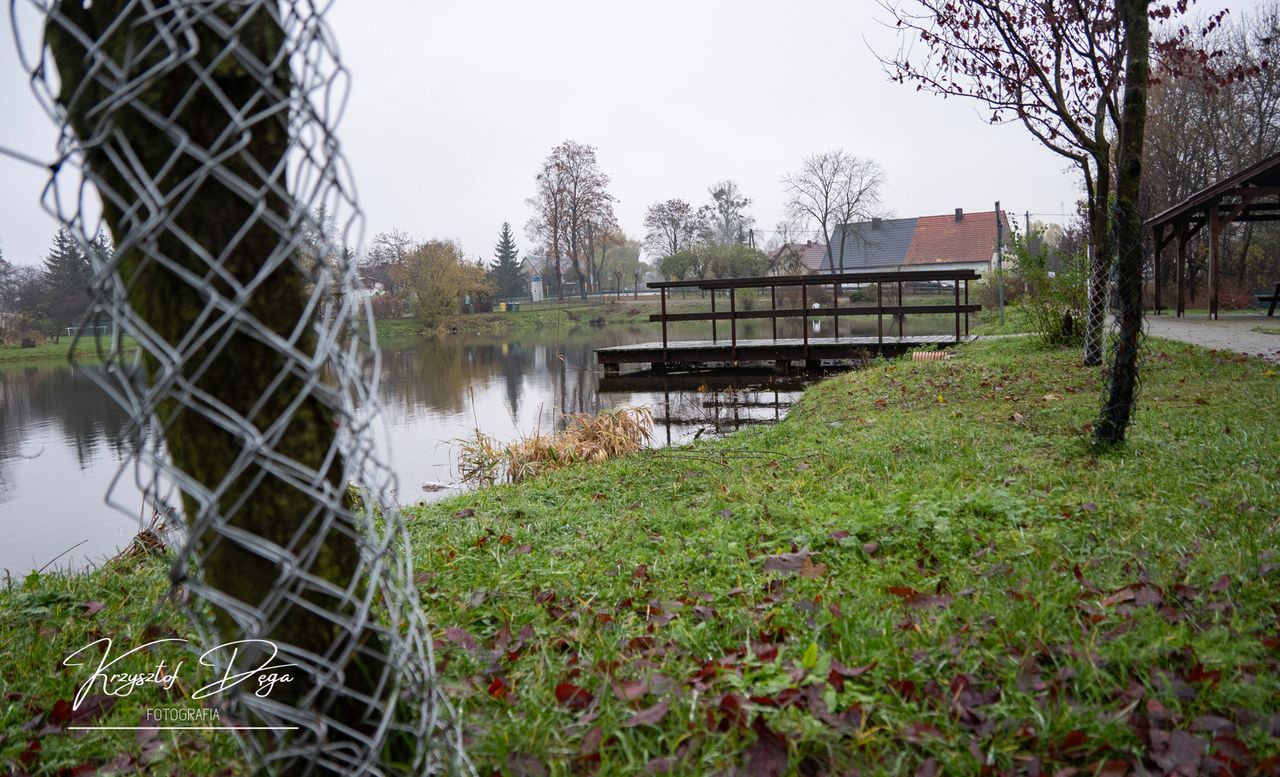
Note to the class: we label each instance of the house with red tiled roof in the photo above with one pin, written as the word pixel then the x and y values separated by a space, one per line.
pixel 958 241
pixel 797 258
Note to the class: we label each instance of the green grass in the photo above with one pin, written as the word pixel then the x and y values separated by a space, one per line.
pixel 44 619
pixel 1267 330
pixel 86 351
pixel 981 581
pixel 988 322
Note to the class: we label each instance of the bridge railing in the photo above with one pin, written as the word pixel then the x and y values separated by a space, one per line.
pixel 954 280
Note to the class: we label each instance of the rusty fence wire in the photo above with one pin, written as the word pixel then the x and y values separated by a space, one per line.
pixel 200 136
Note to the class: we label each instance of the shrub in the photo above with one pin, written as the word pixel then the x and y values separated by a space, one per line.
pixel 1235 300
pixel 1054 302
pixel 387 306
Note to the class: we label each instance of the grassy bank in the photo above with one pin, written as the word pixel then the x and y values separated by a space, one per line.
pixel 923 566
pixel 556 313
pixel 86 351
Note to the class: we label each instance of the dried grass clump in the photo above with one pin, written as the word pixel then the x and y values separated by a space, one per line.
pixel 606 435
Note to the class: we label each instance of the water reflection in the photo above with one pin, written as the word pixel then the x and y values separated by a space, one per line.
pixel 61 443
pixel 62 440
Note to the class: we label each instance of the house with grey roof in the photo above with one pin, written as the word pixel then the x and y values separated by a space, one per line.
pixel 954 241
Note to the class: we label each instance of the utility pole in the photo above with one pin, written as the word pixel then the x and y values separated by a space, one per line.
pixel 1026 218
pixel 1000 260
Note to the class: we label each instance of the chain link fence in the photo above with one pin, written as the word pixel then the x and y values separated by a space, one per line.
pixel 200 137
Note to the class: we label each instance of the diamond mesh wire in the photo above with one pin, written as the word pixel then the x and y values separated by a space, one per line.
pixel 1097 307
pixel 201 136
pixel 1126 351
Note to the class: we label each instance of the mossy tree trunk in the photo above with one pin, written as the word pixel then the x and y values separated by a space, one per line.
pixel 221 237
pixel 1117 410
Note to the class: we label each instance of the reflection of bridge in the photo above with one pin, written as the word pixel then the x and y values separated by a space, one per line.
pixel 720 402
pixel 808 298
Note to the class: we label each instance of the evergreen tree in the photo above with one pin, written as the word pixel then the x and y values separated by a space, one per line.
pixel 505 273
pixel 66 281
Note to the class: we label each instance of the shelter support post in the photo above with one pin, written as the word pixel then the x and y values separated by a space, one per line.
pixel 1155 266
pixel 1181 238
pixel 1215 240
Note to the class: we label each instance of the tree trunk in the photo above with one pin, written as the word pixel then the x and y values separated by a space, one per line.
pixel 1118 407
pixel 1100 262
pixel 242 378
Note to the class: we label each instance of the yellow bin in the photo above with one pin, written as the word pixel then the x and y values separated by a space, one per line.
pixel 502 307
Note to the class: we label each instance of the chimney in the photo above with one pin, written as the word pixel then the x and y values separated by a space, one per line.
pixel 875 222
pixel 959 214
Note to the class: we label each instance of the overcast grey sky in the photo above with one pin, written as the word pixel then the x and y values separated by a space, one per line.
pixel 454 105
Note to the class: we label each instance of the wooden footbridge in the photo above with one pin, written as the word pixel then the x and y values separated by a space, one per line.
pixel 808 298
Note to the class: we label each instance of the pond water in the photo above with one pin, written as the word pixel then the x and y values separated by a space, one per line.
pixel 62 443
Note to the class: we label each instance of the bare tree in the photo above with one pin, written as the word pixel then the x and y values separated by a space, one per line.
pixel 727 216
pixel 831 188
pixel 672 226
pixel 572 202
pixel 601 237
pixel 390 248
pixel 547 225
pixel 784 257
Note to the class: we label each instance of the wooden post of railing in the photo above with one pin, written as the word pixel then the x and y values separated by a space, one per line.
pixel 733 324
pixel 956 285
pixel 880 316
pixel 662 295
pixel 713 317
pixel 902 317
pixel 835 303
pixel 773 305
pixel 966 304
pixel 804 316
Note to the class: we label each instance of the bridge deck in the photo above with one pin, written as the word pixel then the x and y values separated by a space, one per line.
pixel 697 352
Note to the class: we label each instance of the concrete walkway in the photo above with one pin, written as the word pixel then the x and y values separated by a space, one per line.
pixel 1229 333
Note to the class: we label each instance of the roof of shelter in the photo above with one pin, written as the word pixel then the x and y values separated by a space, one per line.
pixel 1263 176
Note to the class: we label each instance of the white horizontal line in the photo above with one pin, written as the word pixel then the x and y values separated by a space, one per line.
pixel 184 728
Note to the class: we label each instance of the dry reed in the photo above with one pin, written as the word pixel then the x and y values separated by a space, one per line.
pixel 608 434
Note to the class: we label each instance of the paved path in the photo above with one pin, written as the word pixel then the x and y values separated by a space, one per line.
pixel 1229 333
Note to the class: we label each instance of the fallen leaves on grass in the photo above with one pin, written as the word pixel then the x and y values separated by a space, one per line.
pixel 648 716
pixel 573 696
pixel 787 562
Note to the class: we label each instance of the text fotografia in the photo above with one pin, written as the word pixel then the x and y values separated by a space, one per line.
pixel 182 715
pixel 111 678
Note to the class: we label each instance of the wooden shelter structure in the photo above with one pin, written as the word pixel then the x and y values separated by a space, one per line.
pixel 1253 194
